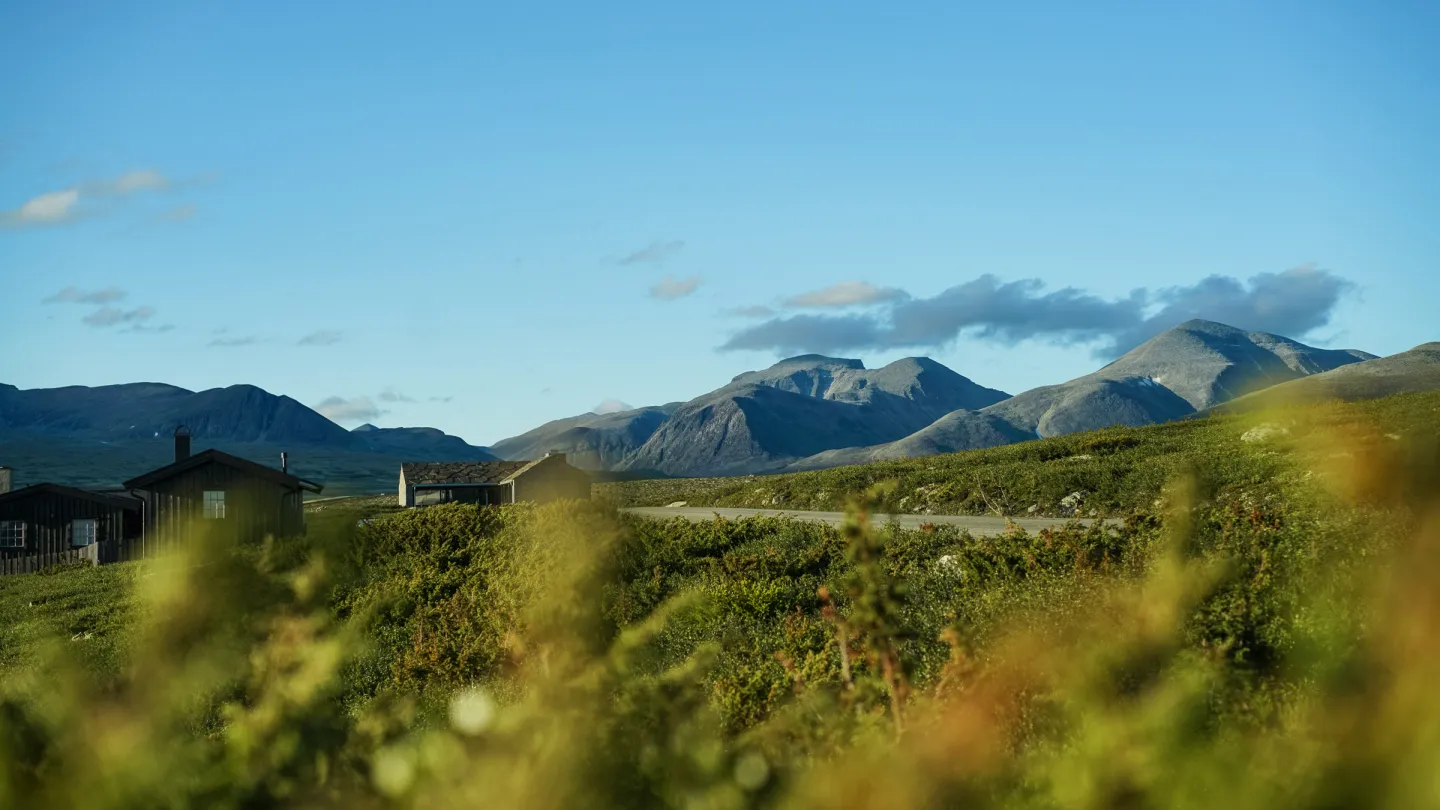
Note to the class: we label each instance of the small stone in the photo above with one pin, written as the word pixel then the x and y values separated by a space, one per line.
pixel 1265 432
pixel 1033 509
pixel 675 505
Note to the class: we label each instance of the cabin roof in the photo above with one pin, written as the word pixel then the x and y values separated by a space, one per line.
pixel 218 457
pixel 116 500
pixel 461 472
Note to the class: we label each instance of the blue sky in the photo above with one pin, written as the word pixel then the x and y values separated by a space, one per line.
pixel 486 215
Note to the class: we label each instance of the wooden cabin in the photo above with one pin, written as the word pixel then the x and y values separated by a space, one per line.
pixel 492 482
pixel 212 490
pixel 49 524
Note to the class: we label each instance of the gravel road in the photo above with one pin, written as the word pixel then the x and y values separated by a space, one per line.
pixel 977 525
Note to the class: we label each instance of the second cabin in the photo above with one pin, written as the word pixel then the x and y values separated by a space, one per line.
pixel 492 482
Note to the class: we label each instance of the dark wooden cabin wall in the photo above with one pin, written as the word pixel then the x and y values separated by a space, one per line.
pixel 254 507
pixel 48 517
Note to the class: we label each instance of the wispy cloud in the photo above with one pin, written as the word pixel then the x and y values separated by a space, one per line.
pixel 105 315
pixel 440 399
pixel 88 198
pixel 391 395
pixel 114 316
pixel 325 337
pixel 844 294
pixel 654 253
pixel 75 295
pixel 1290 303
pixel 231 343
pixel 611 406
pixel 671 289
pixel 355 409
pixel 180 213
pixel 140 327
pixel 50 208
pixel 751 312
pixel 127 183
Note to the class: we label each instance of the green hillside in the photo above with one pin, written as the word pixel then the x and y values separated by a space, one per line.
pixel 1262 637
pixel 1117 470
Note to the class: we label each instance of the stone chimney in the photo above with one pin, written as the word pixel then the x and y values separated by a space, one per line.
pixel 6 479
pixel 556 454
pixel 182 443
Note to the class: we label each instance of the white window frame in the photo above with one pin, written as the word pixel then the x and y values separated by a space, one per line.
pixel 12 533
pixel 86 529
pixel 212 503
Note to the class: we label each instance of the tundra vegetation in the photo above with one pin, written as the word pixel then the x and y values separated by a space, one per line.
pixel 1262 631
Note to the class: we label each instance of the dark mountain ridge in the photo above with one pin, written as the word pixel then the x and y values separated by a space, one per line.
pixel 237 414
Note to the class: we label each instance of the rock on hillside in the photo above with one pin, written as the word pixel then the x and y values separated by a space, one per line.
pixel 764 420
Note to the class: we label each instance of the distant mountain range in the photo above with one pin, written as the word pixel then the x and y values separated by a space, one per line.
pixel 98 437
pixel 812 411
pixel 240 414
pixel 804 412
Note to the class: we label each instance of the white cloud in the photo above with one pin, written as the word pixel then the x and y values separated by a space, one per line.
pixel 844 294
pixel 670 288
pixel 325 337
pixel 357 409
pixel 179 213
pixel 138 180
pixel 654 253
pixel 611 406
pixel 75 295
pixel 230 343
pixel 391 395
pixel 759 311
pixel 50 208
pixel 113 316
pixel 69 204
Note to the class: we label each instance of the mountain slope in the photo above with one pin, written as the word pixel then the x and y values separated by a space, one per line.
pixel 951 433
pixel 764 420
pixel 1196 365
pixel 412 443
pixel 1168 377
pixel 590 441
pixel 1413 371
pixel 239 413
pixel 235 415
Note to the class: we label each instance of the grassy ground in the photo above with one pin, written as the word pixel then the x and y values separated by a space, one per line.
pixel 88 609
pixel 1116 471
pixel 1263 638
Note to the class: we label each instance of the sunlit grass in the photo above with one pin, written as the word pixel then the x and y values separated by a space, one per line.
pixel 1238 643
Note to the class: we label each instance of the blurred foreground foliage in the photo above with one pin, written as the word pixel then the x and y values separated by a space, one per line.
pixel 1230 647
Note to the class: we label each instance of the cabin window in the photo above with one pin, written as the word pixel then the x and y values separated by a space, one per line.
pixel 83 532
pixel 214 504
pixel 12 534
